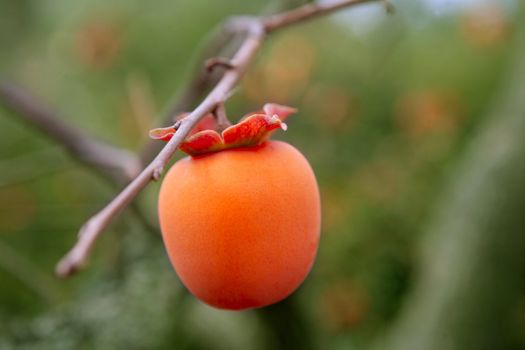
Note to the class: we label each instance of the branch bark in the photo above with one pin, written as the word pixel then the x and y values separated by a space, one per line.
pixel 118 164
pixel 255 30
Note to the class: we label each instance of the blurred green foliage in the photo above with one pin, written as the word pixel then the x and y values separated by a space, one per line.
pixel 385 112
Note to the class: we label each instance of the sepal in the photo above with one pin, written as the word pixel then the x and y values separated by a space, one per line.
pixel 252 130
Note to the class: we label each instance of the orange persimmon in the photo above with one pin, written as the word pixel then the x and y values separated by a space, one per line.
pixel 241 224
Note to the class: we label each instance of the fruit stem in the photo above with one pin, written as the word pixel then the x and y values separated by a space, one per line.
pixel 222 120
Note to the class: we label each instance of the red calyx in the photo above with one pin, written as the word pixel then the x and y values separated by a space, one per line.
pixel 252 130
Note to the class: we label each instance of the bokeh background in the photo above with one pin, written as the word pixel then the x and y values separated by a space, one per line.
pixel 414 124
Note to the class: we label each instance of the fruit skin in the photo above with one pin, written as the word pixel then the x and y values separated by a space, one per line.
pixel 241 226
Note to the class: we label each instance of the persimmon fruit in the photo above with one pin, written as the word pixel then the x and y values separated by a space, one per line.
pixel 241 222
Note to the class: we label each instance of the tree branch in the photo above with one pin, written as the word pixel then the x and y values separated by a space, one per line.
pixel 117 164
pixel 255 30
pixel 304 13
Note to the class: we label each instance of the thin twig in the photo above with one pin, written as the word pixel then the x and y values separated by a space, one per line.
pixel 115 163
pixel 88 234
pixel 255 29
pixel 304 13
